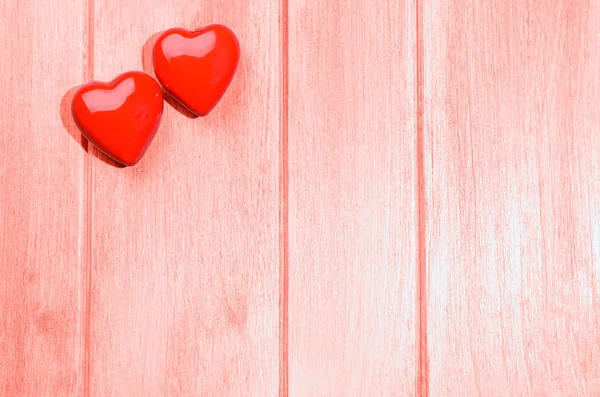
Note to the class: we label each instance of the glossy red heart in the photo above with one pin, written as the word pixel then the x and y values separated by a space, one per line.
pixel 121 117
pixel 197 67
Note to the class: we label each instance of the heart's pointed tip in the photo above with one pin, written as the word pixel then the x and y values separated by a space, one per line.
pixel 118 164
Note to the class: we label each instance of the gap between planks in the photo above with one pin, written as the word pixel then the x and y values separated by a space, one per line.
pixel 85 229
pixel 422 358
pixel 284 203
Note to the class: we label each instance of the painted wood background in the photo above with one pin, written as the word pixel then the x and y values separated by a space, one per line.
pixel 394 198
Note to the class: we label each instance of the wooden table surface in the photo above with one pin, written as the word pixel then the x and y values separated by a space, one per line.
pixel 394 198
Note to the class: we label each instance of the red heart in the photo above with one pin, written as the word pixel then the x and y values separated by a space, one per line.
pixel 121 117
pixel 197 67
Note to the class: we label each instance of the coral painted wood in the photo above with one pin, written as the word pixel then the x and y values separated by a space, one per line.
pixel 512 171
pixel 197 67
pixel 121 117
pixel 394 198
pixel 42 189
pixel 352 199
pixel 185 246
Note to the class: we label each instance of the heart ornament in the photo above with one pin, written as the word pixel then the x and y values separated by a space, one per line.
pixel 121 117
pixel 196 67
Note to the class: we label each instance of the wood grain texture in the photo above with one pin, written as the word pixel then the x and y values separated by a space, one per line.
pixel 184 250
pixel 41 188
pixel 512 156
pixel 352 198
pixel 185 283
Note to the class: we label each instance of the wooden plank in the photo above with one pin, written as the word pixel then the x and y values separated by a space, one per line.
pixel 185 284
pixel 42 189
pixel 352 198
pixel 512 156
